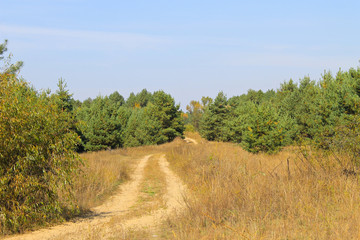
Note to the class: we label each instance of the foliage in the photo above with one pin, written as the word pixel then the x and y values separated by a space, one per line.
pixel 37 155
pixel 100 125
pixel 142 129
pixel 189 128
pixel 159 122
pixel 66 102
pixel 8 66
pixel 214 118
pixel 139 100
pixel 195 111
pixel 308 111
pixel 143 119
pixel 262 131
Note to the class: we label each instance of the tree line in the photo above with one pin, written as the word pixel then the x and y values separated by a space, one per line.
pixel 322 113
pixel 143 119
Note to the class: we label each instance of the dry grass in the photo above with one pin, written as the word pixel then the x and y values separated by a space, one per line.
pixel 104 170
pixel 150 199
pixel 195 136
pixel 101 173
pixel 152 189
pixel 295 194
pixel 238 195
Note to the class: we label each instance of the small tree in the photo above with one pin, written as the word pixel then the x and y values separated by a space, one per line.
pixel 37 155
pixel 163 110
pixel 159 122
pixel 195 111
pixel 100 125
pixel 212 122
pixel 262 129
pixel 8 67
pixel 66 102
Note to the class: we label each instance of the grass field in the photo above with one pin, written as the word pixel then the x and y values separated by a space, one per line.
pixel 238 195
pixel 298 193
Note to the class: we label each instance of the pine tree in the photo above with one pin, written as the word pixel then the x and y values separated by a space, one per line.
pixel 212 123
pixel 9 68
pixel 100 125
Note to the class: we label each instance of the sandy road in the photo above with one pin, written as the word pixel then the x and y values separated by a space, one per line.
pixel 118 205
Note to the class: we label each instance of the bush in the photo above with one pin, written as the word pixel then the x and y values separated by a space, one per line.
pixel 37 156
pixel 263 131
pixel 189 128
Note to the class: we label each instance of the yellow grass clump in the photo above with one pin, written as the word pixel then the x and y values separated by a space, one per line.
pixel 101 173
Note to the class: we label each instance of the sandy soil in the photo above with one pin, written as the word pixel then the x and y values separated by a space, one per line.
pixel 104 223
pixel 190 140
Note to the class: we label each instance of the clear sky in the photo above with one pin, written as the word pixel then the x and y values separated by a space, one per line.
pixel 186 48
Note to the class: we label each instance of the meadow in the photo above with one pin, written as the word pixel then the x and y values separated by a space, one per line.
pixel 297 193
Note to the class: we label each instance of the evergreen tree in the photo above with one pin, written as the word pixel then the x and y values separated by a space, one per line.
pixel 142 129
pixel 139 100
pixel 163 110
pixel 116 99
pixel 100 125
pixel 66 102
pixel 212 123
pixel 8 67
pixel 159 122
pixel 262 130
pixel 195 112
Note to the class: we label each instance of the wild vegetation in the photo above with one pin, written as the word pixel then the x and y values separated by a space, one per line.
pixel 42 177
pixel 304 189
pixel 299 193
pixel 101 173
pixel 310 111
pixel 143 119
pixel 37 156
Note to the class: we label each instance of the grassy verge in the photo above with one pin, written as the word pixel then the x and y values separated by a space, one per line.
pixel 103 171
pixel 238 195
pixel 100 175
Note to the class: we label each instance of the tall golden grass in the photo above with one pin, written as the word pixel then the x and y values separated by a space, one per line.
pixel 295 194
pixel 101 173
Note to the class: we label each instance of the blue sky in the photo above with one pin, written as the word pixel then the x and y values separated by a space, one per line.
pixel 186 48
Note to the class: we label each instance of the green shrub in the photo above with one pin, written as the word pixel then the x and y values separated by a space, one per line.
pixel 189 128
pixel 263 131
pixel 37 156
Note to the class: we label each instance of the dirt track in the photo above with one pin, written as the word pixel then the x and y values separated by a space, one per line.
pixel 106 221
pixel 190 140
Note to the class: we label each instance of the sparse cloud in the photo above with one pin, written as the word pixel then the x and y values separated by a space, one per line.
pixel 83 38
